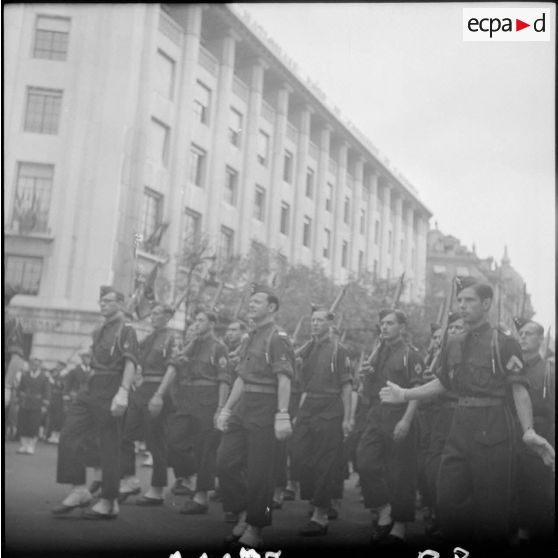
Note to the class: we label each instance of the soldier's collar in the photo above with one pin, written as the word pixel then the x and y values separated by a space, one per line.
pixel 396 344
pixel 260 327
pixel 118 316
pixel 532 358
pixel 481 328
pixel 323 339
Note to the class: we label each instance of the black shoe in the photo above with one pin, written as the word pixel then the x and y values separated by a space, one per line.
pixel 147 501
pixel 123 496
pixel 313 529
pixel 97 516
pixel 216 496
pixel 289 495
pixel 392 541
pixel 181 490
pixel 62 509
pixel 380 532
pixel 193 508
pixel 277 505
pixel 95 487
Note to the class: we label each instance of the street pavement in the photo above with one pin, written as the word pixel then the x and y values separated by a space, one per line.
pixel 30 529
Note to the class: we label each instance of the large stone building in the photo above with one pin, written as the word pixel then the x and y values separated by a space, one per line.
pixel 130 129
pixel 447 257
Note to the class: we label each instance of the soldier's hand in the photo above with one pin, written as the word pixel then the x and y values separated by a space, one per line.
pixel 222 422
pixel 119 403
pixel 283 427
pixel 155 405
pixel 541 446
pixel 7 396
pixel 392 393
pixel 401 430
pixel 347 427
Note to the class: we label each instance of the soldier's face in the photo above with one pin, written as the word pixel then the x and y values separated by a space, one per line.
pixel 437 338
pixel 259 307
pixel 390 328
pixel 108 305
pixel 159 318
pixel 529 339
pixel 319 324
pixel 471 307
pixel 202 324
pixel 233 334
pixel 456 327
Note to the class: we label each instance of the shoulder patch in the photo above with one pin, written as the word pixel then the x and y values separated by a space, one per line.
pixel 514 364
pixel 282 334
pixel 223 362
pixel 418 368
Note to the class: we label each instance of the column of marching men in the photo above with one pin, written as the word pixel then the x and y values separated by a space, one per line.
pixel 466 430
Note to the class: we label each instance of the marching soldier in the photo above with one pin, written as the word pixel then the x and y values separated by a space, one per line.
pixel 56 411
pixel 33 394
pixel 204 382
pixel 322 420
pixel 254 416
pixel 386 455
pixel 481 366
pixel 535 482
pixel 76 379
pixel 147 412
pixel 13 345
pixel 100 407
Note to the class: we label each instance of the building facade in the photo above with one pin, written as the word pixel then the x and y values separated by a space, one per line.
pixel 131 129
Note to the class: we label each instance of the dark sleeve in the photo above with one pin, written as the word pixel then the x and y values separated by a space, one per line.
pixel 443 369
pixel 281 354
pixel 171 350
pixel 129 344
pixel 46 391
pixel 415 367
pixel 222 364
pixel 512 362
pixel 14 342
pixel 343 366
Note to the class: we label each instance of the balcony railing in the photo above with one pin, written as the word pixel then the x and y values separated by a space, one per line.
pixel 292 132
pixel 313 151
pixel 240 89
pixel 169 28
pixel 208 61
pixel 267 112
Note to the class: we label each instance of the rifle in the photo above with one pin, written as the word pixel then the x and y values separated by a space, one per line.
pixel 523 301
pixel 217 295
pixel 239 306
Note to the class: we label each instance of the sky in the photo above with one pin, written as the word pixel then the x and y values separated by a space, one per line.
pixel 470 124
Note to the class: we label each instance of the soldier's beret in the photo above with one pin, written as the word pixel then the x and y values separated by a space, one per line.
pixel 107 289
pixel 272 297
pixel 463 282
pixel 519 322
pixel 399 314
pixel 330 316
pixel 454 316
pixel 434 327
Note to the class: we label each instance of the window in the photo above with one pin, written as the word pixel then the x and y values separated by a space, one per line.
pixel 164 70
pixel 360 261
pixel 288 167
pixel 197 165
pixel 32 197
pixel 309 183
pixel 285 217
pixel 235 127
pixel 259 203
pixel 231 186
pixel 42 112
pixel 24 273
pixel 389 242
pixel 344 254
pixel 192 225
pixel 151 214
pixel 306 231
pixel 202 102
pixel 226 246
pixel 51 37
pixel 327 243
pixel 362 221
pixel 347 211
pixel 329 197
pixel 376 231
pixel 263 148
pixel 159 142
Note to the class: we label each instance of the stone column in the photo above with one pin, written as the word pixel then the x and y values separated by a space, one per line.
pixel 338 203
pixel 217 160
pixel 247 182
pixel 420 269
pixel 385 224
pixel 180 160
pixel 321 192
pixel 356 237
pixel 371 208
pixel 281 107
pixel 409 242
pixel 397 260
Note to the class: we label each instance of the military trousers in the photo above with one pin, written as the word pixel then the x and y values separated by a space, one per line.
pixel 246 457
pixel 474 490
pixel 427 416
pixel 387 468
pixel 29 422
pixel 90 417
pixel 140 425
pixel 317 450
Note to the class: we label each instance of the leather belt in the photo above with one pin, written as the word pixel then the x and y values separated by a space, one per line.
pixel 259 388
pixel 105 372
pixel 322 395
pixel 152 379
pixel 479 402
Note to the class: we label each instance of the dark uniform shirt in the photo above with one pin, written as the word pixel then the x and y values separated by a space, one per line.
pixel 474 366
pixel 114 342
pixel 325 368
pixel 76 379
pixel 542 389
pixel 156 352
pixel 34 390
pixel 13 341
pixel 399 363
pixel 268 353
